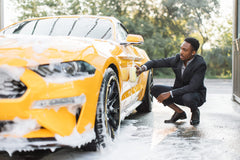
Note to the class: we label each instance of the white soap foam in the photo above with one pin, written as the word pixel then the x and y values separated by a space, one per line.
pixel 76 139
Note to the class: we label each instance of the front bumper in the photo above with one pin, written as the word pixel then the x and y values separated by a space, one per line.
pixel 49 105
pixel 12 144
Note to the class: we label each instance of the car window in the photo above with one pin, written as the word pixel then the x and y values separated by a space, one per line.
pixel 93 28
pixel 80 27
pixel 9 30
pixel 44 26
pixel 25 28
pixel 62 26
pixel 121 33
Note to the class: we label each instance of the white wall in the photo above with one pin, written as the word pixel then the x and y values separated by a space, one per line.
pixel 1 14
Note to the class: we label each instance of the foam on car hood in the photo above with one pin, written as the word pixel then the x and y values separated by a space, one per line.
pixel 21 50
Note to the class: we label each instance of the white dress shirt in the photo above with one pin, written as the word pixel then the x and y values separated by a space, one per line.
pixel 182 70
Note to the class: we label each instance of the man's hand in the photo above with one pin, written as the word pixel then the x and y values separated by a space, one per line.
pixel 163 96
pixel 139 70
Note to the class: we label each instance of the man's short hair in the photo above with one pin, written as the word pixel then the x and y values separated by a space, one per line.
pixel 194 42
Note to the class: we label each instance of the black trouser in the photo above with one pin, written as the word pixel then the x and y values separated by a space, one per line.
pixel 191 100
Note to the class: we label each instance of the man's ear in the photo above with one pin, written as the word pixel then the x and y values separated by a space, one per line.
pixel 193 52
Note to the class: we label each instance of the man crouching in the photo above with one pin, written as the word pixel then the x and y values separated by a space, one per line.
pixel 188 89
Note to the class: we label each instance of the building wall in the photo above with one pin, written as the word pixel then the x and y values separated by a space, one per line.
pixel 1 14
pixel 236 51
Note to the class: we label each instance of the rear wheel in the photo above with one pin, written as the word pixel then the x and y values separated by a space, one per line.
pixel 108 110
pixel 146 105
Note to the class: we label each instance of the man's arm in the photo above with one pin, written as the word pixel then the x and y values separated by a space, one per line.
pixel 164 62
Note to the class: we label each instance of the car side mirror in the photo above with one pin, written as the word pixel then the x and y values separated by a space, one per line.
pixel 133 39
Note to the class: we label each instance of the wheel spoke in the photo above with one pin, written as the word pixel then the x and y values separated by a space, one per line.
pixel 112 90
pixel 112 106
pixel 111 102
pixel 112 122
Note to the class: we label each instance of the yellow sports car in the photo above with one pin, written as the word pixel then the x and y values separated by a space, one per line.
pixel 69 80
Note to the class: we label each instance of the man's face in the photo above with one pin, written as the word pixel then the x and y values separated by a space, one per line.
pixel 186 51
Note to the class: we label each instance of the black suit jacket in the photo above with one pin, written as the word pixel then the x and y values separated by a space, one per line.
pixel 192 79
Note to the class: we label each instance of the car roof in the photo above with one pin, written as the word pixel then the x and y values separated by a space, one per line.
pixel 113 19
pixel 110 18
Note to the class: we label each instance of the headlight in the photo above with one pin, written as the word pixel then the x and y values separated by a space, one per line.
pixel 65 69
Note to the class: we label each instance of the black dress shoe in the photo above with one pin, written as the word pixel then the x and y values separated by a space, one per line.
pixel 195 119
pixel 176 116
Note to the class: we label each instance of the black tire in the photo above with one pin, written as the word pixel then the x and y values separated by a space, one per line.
pixel 108 111
pixel 146 105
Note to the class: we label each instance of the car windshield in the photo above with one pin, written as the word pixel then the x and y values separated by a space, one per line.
pixel 79 27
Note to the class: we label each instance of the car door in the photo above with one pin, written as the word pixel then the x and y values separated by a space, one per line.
pixel 128 58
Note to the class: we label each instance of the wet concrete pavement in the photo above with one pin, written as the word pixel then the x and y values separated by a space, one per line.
pixel 147 137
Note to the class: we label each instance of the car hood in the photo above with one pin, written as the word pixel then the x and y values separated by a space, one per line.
pixel 20 50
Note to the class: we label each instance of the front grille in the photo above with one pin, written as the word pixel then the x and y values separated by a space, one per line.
pixel 3 124
pixel 41 139
pixel 10 88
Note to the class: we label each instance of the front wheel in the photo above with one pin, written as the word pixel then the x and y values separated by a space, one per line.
pixel 108 109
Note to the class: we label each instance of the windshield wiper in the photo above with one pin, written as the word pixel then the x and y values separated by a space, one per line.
pixel 109 29
pixel 19 28
pixel 96 22
pixel 74 23
pixel 54 24
pixel 34 28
